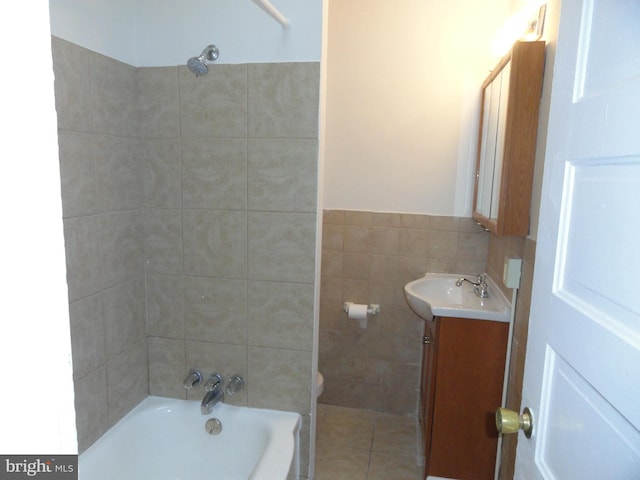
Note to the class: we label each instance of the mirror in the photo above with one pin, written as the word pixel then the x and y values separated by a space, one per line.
pixel 495 100
pixel 507 140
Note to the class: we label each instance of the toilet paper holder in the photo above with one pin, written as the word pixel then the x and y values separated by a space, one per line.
pixel 372 309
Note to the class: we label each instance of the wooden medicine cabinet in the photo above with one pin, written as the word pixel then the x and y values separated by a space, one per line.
pixel 507 140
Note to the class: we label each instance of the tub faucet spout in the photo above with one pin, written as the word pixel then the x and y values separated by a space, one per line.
pixel 214 393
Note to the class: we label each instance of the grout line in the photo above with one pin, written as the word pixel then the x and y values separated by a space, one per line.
pixel 411 453
pixel 373 434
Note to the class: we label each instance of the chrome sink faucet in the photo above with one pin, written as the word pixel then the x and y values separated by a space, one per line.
pixel 479 287
pixel 214 393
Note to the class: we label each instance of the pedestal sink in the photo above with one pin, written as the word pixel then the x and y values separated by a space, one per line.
pixel 436 294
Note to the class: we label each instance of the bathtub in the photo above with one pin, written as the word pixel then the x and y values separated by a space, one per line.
pixel 165 439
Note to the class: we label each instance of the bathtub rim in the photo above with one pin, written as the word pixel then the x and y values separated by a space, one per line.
pixel 264 468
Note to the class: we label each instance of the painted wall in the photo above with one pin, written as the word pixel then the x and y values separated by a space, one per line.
pixel 402 101
pixel 92 25
pixel 166 32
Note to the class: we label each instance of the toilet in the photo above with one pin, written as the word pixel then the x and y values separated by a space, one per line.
pixel 319 384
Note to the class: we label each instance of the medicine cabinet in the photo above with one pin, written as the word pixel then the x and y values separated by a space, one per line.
pixel 507 140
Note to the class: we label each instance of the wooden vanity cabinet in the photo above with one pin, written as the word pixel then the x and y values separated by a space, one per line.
pixel 462 376
pixel 427 385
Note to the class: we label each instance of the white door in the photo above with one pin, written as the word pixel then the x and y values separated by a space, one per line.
pixel 582 375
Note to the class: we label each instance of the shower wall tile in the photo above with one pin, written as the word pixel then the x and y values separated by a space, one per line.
pixel 121 246
pixel 165 317
pixel 103 194
pixel 283 175
pixel 158 102
pixel 281 246
pixel 214 174
pixel 82 248
pixel 166 367
pixel 204 210
pixel 161 172
pixel 215 310
pixel 163 241
pixel 115 97
pixel 119 169
pixel 78 174
pixel 127 381
pixel 92 413
pixel 73 86
pixel 279 377
pixel 214 105
pixel 124 316
pixel 223 358
pixel 283 100
pixel 215 243
pixel 87 334
pixel 280 315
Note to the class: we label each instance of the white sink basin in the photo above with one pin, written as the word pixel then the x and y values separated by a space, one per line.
pixel 436 294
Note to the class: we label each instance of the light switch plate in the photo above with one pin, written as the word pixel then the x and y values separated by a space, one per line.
pixel 512 272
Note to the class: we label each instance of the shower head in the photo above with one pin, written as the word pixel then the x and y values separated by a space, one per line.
pixel 198 65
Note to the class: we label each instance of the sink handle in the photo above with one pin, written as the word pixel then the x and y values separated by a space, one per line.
pixel 480 289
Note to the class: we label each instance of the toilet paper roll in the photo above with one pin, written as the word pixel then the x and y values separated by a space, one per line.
pixel 358 311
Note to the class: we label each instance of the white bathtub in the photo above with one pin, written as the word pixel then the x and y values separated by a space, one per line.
pixel 165 439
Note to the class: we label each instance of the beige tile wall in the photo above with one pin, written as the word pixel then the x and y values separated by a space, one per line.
pixel 200 200
pixel 230 219
pixel 524 248
pixel 368 257
pixel 102 197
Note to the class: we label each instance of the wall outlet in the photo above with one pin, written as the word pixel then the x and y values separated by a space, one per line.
pixel 512 272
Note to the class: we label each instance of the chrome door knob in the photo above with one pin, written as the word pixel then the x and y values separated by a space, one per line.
pixel 508 421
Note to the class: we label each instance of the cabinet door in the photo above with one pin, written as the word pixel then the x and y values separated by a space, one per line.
pixel 485 173
pixel 507 140
pixel 494 115
pixel 428 385
pixel 498 168
pixel 469 376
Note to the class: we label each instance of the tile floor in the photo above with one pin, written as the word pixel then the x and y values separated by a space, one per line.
pixel 357 444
